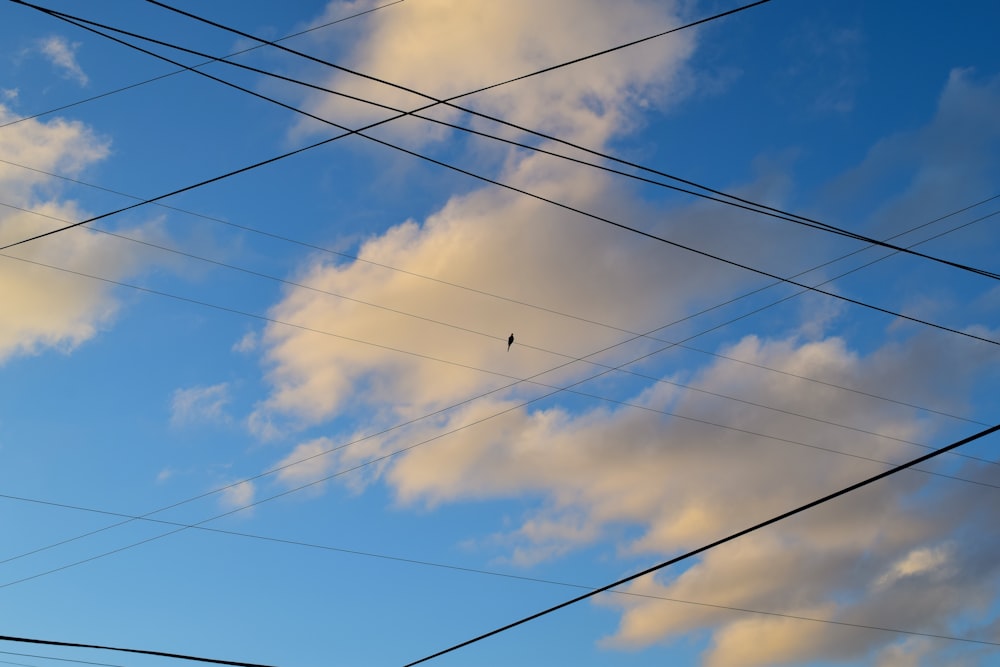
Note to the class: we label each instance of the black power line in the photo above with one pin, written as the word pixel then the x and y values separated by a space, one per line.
pixel 472 570
pixel 456 327
pixel 791 217
pixel 732 200
pixel 485 179
pixel 179 71
pixel 162 654
pixel 712 545
pixel 543 308
pixel 387 456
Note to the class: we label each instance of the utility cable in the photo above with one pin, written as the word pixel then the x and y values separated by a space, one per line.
pixel 712 545
pixel 486 180
pixel 356 258
pixel 794 218
pixel 636 336
pixel 532 380
pixel 161 654
pixel 385 457
pixel 456 327
pixel 185 69
pixel 745 205
pixel 479 571
pixel 49 657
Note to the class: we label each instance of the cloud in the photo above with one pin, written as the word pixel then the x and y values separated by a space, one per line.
pixel 238 495
pixel 943 164
pixel 663 474
pixel 47 309
pixel 200 404
pixel 417 45
pixel 248 343
pixel 62 54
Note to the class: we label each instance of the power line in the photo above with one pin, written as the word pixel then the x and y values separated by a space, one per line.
pixel 783 214
pixel 738 202
pixel 485 179
pixel 498 338
pixel 245 663
pixel 162 654
pixel 543 308
pixel 384 457
pixel 478 571
pixel 179 71
pixel 48 657
pixel 712 545
pixel 532 380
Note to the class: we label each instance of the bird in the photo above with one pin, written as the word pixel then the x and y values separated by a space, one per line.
pixel 510 341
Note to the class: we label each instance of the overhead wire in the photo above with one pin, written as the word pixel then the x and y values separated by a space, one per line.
pixel 479 571
pixel 737 202
pixel 185 69
pixel 619 368
pixel 245 663
pixel 798 219
pixel 358 258
pixel 394 453
pixel 531 379
pixel 49 657
pixel 589 593
pixel 712 545
pixel 567 207
pixel 120 649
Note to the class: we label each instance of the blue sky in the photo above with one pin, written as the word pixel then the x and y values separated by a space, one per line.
pixel 316 349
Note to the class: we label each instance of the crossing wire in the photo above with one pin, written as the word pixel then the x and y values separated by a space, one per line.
pixel 357 258
pixel 694 552
pixel 798 219
pixel 456 327
pixel 490 573
pixel 359 132
pixel 732 200
pixel 579 598
pixel 184 69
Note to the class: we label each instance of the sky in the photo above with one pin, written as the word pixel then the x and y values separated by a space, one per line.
pixel 274 418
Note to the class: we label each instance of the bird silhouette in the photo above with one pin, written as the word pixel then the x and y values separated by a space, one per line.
pixel 510 341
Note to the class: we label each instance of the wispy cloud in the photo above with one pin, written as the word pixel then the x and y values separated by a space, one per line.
pixel 200 404
pixel 664 469
pixel 62 54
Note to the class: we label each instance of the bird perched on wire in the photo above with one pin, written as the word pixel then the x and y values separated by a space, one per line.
pixel 510 341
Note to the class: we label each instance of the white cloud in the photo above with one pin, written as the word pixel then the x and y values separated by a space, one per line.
pixel 667 483
pixel 416 45
pixel 62 54
pixel 924 561
pixel 200 404
pixel 238 495
pixel 248 343
pixel 46 308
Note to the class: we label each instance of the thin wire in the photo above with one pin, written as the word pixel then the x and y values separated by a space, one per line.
pixel 46 657
pixel 755 611
pixel 485 179
pixel 798 219
pixel 499 338
pixel 531 380
pixel 746 205
pixel 543 308
pixel 162 654
pixel 712 545
pixel 203 64
pixel 328 451
pixel 467 570
pixel 386 457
